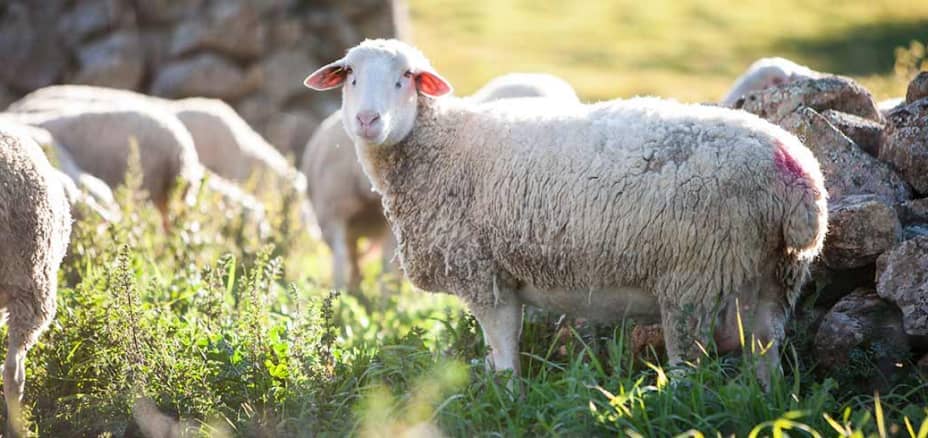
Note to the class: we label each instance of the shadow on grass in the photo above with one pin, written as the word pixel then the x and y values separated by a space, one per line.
pixel 862 50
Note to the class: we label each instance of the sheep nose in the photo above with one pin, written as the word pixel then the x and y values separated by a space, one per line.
pixel 367 118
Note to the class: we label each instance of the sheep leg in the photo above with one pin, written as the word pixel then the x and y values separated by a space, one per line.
pixel 335 236
pixel 685 329
pixel 768 331
pixel 14 376
pixel 354 270
pixel 502 326
pixel 388 251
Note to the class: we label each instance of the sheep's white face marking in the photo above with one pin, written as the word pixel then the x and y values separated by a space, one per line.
pixel 381 81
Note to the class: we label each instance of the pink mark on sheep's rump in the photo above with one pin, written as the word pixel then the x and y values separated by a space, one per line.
pixel 786 163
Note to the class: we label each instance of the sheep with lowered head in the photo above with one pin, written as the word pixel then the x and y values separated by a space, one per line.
pixel 345 206
pixel 642 208
pixel 35 226
pixel 766 73
pixel 98 137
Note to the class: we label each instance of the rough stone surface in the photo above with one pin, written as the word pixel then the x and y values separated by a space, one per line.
pixel 865 133
pixel 905 143
pixel 233 28
pixel 32 57
pixel 918 88
pixel 848 170
pixel 89 18
pixel 914 211
pixel 646 337
pixel 284 73
pixel 861 323
pixel 902 278
pixel 860 228
pixel 115 61
pixel 177 48
pixel 828 92
pixel 205 75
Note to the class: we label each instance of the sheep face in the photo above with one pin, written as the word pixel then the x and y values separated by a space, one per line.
pixel 381 83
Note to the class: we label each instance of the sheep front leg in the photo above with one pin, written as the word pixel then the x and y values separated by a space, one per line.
pixel 14 381
pixel 502 326
pixel 685 328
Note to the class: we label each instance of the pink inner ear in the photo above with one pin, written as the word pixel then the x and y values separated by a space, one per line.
pixel 431 84
pixel 326 78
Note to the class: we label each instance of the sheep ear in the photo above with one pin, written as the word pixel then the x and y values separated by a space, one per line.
pixel 328 77
pixel 431 84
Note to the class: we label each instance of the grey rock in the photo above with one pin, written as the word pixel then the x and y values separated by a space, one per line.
pixel 256 109
pixel 918 88
pixel 204 75
pixel 848 170
pixel 905 143
pixel 865 133
pixel 166 11
pixel 156 47
pixel 233 28
pixel 860 228
pixel 113 61
pixel 6 97
pixel 828 92
pixel 914 211
pixel 861 321
pixel 90 18
pixel 284 73
pixel 902 278
pixel 286 33
pixel 32 57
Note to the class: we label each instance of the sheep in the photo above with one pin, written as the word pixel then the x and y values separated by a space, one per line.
pixel 345 206
pixel 35 227
pixel 98 138
pixel 766 73
pixel 644 208
pixel 225 143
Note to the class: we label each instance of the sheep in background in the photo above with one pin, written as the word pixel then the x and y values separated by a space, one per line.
pixel 35 226
pixel 345 206
pixel 641 208
pixel 225 143
pixel 98 139
pixel 766 73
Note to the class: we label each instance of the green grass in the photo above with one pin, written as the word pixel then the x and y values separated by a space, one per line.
pixel 218 329
pixel 688 49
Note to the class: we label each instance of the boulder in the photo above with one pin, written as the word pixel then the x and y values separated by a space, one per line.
pixel 902 278
pixel 646 337
pixel 205 75
pixel 864 326
pixel 864 132
pixel 284 73
pixel 860 228
pixel 6 97
pixel 113 61
pixel 256 109
pixel 848 170
pixel 233 28
pixel 905 143
pixel 166 11
pixel 918 88
pixel 32 56
pixel 828 92
pixel 90 18
pixel 914 211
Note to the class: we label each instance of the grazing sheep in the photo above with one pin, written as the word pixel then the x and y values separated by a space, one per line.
pixel 642 208
pixel 35 225
pixel 98 138
pixel 345 206
pixel 225 143
pixel 766 73
pixel 80 187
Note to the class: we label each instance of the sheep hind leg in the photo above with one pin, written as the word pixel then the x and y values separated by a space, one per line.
pixel 768 331
pixel 502 327
pixel 336 238
pixel 22 334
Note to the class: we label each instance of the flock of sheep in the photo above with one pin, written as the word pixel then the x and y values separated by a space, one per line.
pixel 697 216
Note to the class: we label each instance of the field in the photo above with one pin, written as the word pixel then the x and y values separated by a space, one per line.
pixel 225 326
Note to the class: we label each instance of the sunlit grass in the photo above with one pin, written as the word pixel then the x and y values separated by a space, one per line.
pixel 688 49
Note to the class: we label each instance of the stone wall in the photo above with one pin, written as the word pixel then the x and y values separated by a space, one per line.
pixel 253 54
